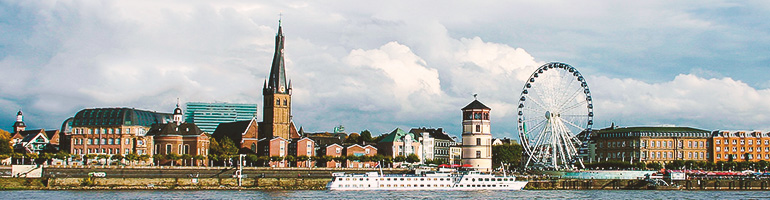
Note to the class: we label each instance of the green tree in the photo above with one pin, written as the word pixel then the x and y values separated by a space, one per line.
pixel 252 159
pixel 185 158
pixel 353 138
pixel 303 159
pixel 157 158
pixel 198 158
pixel 508 154
pixel 366 136
pixel 676 164
pixel 119 158
pixel 144 157
pixel 131 157
pixel 103 157
pixel 400 158
pixel 640 165
pixel 32 156
pixel 173 157
pixel 228 146
pixel 5 135
pixel 412 158
pixel 5 146
pixel 655 166
pixel 263 161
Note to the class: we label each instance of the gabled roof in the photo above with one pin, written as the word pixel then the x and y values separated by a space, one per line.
pixel 31 135
pixel 434 133
pixel 232 130
pixel 51 134
pixel 476 104
pixel 293 134
pixel 395 135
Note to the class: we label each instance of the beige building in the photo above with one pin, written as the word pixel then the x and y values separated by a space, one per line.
pixel 652 144
pixel 477 138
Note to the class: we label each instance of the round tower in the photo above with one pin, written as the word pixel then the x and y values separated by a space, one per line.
pixel 477 138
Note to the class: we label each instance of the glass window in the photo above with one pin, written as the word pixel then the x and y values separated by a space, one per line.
pixel 478 141
pixel 168 149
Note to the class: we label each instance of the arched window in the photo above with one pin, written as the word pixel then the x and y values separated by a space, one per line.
pixel 478 141
pixel 254 147
pixel 284 102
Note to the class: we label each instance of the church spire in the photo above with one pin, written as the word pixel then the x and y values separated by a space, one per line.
pixel 277 81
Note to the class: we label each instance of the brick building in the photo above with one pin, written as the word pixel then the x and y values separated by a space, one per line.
pixel 740 146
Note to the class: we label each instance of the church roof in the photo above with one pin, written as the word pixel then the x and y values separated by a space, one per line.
pixel 476 104
pixel 232 130
pixel 434 133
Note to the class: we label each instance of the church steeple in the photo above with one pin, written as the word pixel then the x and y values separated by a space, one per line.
pixel 277 81
pixel 277 96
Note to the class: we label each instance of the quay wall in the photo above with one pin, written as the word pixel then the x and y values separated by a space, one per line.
pixel 621 184
pixel 189 183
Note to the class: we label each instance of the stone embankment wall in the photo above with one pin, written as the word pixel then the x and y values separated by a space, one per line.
pixel 189 183
pixel 599 184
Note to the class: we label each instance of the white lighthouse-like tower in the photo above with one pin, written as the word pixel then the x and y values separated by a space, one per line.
pixel 477 138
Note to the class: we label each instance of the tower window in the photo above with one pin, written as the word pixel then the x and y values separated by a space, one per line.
pixel 478 128
pixel 284 102
pixel 278 102
pixel 478 141
pixel 478 154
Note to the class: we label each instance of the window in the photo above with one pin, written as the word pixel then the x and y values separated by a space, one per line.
pixel 478 154
pixel 717 141
pixel 367 151
pixel 117 140
pixel 478 141
pixel 186 149
pixel 128 142
pixel 90 141
pixel 104 141
pixel 751 142
pixel 719 149
pixel 338 149
pixel 112 141
pixel 157 148
pixel 254 147
pixel 284 102
pixel 478 128
pixel 168 149
pixel 278 102
pixel 743 142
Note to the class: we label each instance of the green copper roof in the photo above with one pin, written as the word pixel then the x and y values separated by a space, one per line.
pixel 395 135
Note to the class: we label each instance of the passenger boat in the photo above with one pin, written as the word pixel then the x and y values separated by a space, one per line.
pixel 432 181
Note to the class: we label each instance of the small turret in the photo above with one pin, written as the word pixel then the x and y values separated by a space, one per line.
pixel 178 113
pixel 19 125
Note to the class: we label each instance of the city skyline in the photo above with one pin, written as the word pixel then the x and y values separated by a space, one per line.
pixel 382 65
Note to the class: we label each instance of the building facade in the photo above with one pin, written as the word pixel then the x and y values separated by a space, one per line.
pixel 435 143
pixel 652 144
pixel 242 133
pixel 208 116
pixel 477 137
pixel 358 151
pixel 740 146
pixel 113 131
pixel 180 138
pixel 399 143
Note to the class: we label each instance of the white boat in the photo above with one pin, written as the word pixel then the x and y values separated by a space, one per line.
pixel 432 181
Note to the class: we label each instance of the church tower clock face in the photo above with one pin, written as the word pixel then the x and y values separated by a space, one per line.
pixel 281 89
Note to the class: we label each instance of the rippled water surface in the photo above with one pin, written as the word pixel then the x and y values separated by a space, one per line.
pixel 313 194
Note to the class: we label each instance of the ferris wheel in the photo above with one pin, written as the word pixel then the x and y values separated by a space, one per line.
pixel 554 108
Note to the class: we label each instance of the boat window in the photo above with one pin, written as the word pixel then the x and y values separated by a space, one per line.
pixel 473 179
pixel 402 179
pixel 381 185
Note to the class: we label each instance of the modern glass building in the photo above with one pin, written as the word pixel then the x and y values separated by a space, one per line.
pixel 209 115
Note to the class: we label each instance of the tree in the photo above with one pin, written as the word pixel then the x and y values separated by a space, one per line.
pixel 412 158
pixel 366 136
pixel 32 156
pixel 199 158
pixel 655 166
pixel 640 165
pixel 252 159
pixel 173 157
pixel 62 155
pixel 302 158
pixel 5 146
pixel 263 161
pixel 400 158
pixel 353 138
pixel 5 135
pixel 228 146
pixel 506 154
pixel 118 157
pixel 131 157
pixel 103 156
pixel 157 158
pixel 185 158
pixel 144 157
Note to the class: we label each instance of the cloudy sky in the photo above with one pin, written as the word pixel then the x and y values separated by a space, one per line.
pixel 379 65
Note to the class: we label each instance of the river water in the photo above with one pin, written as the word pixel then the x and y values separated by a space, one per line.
pixel 360 195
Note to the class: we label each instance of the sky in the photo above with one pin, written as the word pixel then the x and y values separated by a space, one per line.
pixel 379 65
